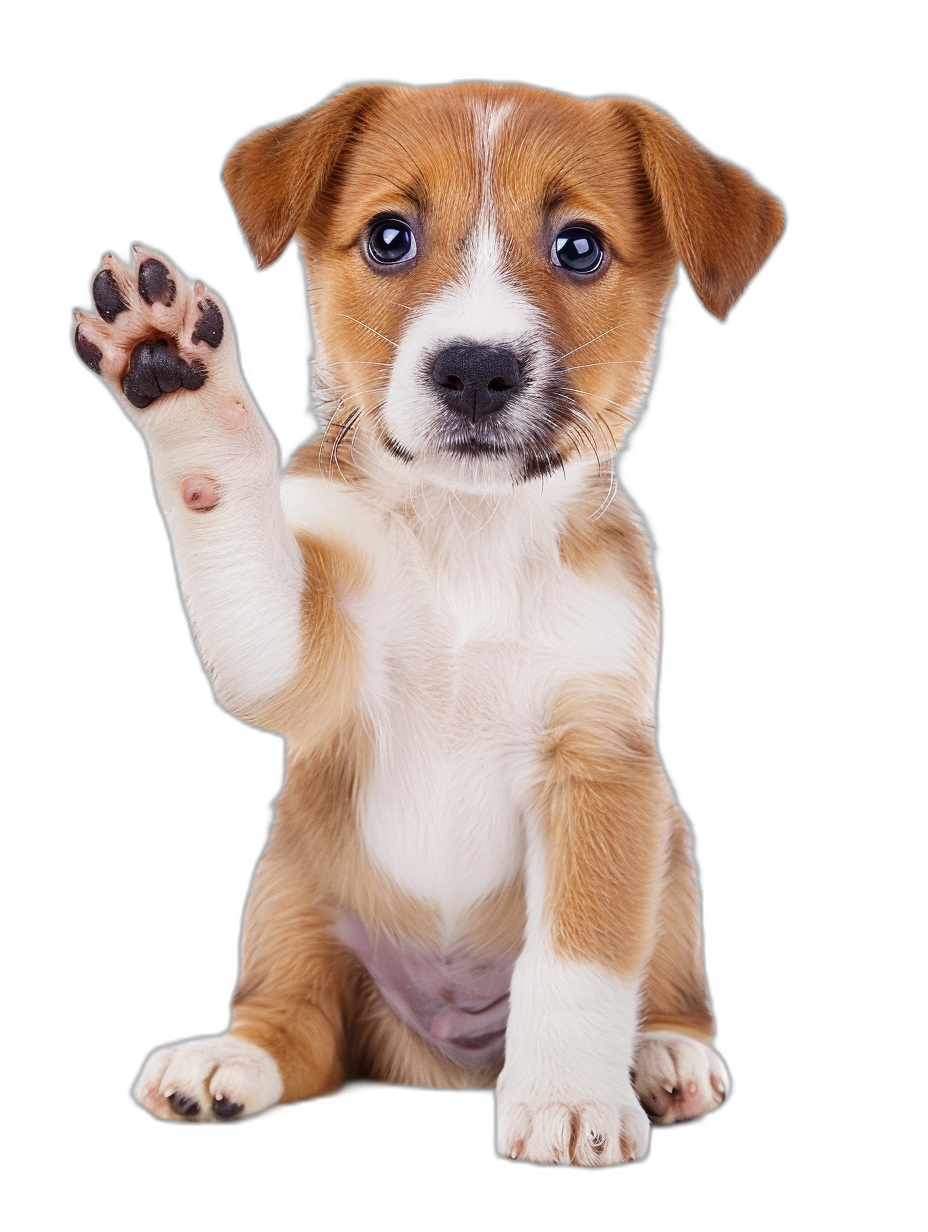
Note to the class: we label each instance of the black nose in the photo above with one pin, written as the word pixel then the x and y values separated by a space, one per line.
pixel 475 380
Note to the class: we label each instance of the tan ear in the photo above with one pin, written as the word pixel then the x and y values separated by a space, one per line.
pixel 721 225
pixel 276 176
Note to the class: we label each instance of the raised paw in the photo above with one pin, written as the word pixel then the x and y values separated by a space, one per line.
pixel 153 333
pixel 676 1077
pixel 217 1078
pixel 594 1133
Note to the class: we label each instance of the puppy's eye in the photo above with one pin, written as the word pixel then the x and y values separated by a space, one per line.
pixel 391 241
pixel 577 249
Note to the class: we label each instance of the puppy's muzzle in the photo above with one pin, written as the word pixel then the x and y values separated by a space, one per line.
pixel 476 380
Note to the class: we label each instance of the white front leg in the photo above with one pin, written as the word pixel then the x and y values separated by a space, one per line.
pixel 565 1095
pixel 167 349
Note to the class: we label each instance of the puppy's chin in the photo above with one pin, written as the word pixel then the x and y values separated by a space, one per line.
pixel 492 453
pixel 478 468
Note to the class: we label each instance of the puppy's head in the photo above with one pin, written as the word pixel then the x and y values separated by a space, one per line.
pixel 487 264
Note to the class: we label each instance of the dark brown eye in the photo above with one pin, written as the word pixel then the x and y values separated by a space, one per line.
pixel 578 250
pixel 391 241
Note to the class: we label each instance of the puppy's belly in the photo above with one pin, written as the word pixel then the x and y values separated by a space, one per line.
pixel 457 1000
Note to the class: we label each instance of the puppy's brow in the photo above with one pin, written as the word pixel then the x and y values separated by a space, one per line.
pixel 554 196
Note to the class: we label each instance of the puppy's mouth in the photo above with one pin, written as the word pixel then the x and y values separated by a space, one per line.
pixel 486 436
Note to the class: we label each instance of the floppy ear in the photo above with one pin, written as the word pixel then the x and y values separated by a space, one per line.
pixel 277 176
pixel 720 224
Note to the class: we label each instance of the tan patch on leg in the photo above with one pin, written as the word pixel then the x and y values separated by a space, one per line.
pixel 604 820
pixel 321 696
pixel 674 996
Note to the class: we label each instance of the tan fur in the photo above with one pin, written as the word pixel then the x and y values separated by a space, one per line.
pixel 321 697
pixel 601 803
pixel 674 994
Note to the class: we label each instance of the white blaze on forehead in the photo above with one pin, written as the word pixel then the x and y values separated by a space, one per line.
pixel 489 305
pixel 489 119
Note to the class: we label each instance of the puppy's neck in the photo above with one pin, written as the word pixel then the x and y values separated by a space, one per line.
pixel 518 524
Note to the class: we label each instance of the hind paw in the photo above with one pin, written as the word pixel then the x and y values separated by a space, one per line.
pixel 678 1078
pixel 217 1078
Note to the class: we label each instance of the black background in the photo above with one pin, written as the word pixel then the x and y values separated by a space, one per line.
pixel 168 803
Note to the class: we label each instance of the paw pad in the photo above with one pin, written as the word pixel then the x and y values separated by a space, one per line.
pixel 106 296
pixel 156 286
pixel 153 332
pixel 156 368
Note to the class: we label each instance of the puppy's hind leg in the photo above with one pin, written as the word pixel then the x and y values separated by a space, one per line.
pixel 677 1075
pixel 286 1040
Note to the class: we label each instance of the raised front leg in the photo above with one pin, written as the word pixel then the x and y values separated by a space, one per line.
pixel 167 351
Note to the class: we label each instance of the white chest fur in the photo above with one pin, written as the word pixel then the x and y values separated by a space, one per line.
pixel 470 626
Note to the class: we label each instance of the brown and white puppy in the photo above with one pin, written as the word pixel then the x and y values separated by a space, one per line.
pixel 478 871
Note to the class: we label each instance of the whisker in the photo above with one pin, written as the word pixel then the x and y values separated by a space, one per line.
pixel 621 325
pixel 353 435
pixel 451 511
pixel 372 330
pixel 325 433
pixel 604 363
pixel 576 436
pixel 587 394
pixel 611 494
pixel 615 443
pixel 345 428
pixel 585 426
pixel 483 525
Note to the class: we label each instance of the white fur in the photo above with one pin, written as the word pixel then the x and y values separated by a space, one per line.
pixel 215 1067
pixel 240 569
pixel 569 1047
pixel 461 664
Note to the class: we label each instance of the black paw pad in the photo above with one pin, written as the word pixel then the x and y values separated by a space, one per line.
pixel 209 328
pixel 106 296
pixel 225 1109
pixel 156 286
pixel 183 1105
pixel 155 368
pixel 89 353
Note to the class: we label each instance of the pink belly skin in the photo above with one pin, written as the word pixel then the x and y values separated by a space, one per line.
pixel 458 1000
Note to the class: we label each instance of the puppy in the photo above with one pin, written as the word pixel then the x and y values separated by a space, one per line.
pixel 478 872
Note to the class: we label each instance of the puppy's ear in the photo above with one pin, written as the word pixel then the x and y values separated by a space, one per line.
pixel 279 175
pixel 721 225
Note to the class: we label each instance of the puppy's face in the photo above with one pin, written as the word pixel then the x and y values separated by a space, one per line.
pixel 487 267
pixel 488 281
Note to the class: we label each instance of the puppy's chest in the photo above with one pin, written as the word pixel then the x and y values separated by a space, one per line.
pixel 464 656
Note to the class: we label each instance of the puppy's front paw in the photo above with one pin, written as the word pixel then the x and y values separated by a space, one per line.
pixel 565 1128
pixel 678 1078
pixel 213 1079
pixel 153 333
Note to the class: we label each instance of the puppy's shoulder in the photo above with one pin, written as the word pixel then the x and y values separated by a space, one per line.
pixel 610 545
pixel 328 505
